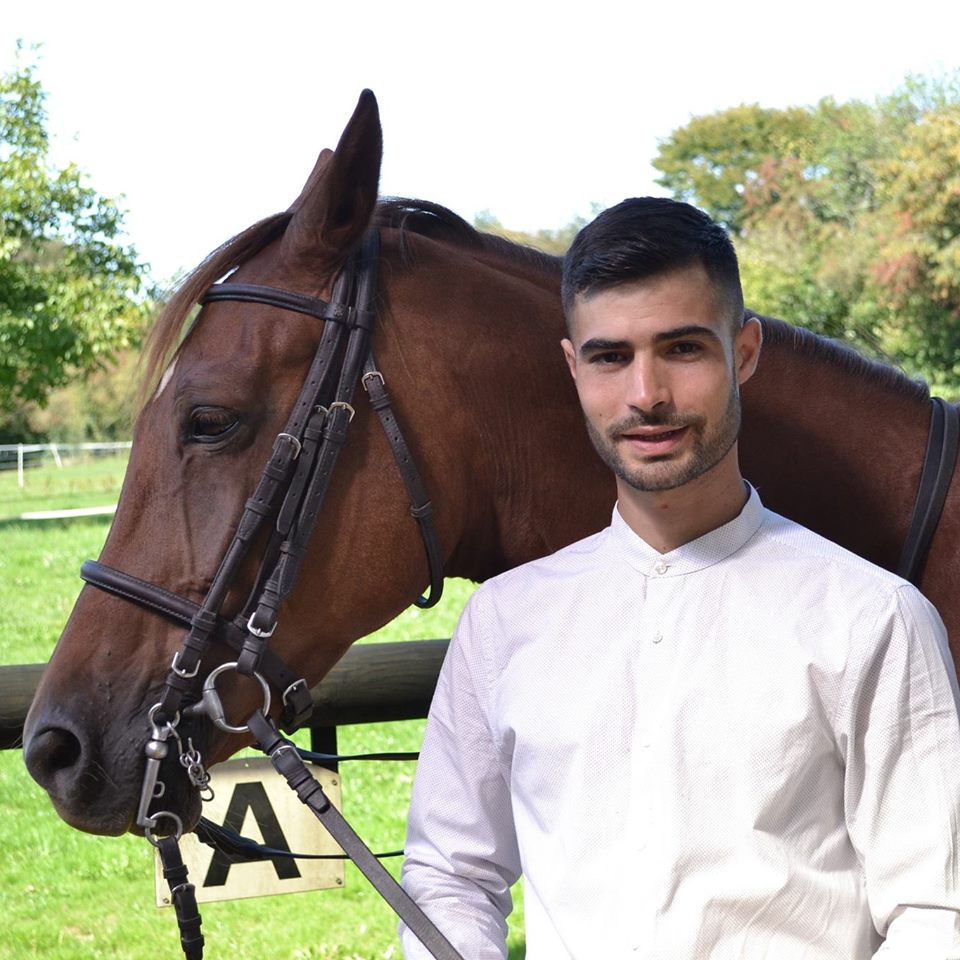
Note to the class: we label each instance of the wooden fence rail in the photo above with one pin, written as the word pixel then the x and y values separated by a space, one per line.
pixel 373 682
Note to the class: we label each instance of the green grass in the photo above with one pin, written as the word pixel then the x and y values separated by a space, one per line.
pixel 86 482
pixel 70 896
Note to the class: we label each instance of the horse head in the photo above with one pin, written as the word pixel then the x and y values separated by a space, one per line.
pixel 200 444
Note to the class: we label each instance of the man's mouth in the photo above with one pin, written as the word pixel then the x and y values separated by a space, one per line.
pixel 654 439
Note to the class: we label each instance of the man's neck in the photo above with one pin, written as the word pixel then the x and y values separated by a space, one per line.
pixel 668 519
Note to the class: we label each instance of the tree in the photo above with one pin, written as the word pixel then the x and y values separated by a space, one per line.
pixel 71 294
pixel 846 215
pixel 711 161
pixel 102 406
pixel 917 271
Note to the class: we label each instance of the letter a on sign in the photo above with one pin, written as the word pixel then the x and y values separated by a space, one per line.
pixel 252 799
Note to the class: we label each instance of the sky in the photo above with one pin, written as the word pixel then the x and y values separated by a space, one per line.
pixel 206 116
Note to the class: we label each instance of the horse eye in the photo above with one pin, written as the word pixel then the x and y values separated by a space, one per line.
pixel 209 424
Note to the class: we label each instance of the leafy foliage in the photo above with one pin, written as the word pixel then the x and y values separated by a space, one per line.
pixel 713 160
pixel 846 216
pixel 917 270
pixel 70 293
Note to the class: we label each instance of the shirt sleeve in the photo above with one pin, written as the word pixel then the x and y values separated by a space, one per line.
pixel 901 736
pixel 461 849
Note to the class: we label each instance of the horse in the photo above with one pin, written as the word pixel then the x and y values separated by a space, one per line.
pixel 466 335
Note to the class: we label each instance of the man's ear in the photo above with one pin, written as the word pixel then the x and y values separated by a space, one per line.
pixel 570 355
pixel 746 346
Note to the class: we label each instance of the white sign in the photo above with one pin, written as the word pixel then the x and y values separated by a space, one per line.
pixel 254 800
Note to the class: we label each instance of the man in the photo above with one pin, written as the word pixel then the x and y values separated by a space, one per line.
pixel 704 733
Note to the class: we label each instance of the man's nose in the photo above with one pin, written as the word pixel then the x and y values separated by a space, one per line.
pixel 648 386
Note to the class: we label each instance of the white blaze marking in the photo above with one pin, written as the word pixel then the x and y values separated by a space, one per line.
pixel 165 379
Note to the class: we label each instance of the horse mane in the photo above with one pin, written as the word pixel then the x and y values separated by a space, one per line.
pixel 436 222
pixel 842 357
pixel 404 214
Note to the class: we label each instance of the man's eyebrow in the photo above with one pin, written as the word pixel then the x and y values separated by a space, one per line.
pixel 690 330
pixel 595 344
pixel 600 343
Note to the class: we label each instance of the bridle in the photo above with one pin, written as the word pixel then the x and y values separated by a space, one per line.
pixel 290 491
pixel 289 496
pixel 939 462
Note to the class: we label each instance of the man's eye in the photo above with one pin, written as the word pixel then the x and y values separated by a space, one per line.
pixel 606 359
pixel 686 347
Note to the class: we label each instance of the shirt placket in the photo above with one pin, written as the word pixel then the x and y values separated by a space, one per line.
pixel 653 663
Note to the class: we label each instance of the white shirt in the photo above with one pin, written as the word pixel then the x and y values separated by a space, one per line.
pixel 745 748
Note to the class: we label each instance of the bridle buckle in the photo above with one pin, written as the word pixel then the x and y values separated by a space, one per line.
pixel 345 406
pixel 372 375
pixel 294 440
pixel 179 671
pixel 257 632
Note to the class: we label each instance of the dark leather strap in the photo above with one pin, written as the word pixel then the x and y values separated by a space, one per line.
pixel 183 897
pixel 338 312
pixel 242 849
pixel 287 761
pixel 421 509
pixel 301 514
pixel 938 467
pixel 121 584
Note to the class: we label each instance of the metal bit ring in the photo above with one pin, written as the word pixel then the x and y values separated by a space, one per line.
pixel 212 706
pixel 148 829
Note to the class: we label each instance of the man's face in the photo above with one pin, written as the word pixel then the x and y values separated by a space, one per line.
pixel 658 368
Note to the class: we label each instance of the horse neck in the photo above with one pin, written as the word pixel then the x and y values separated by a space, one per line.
pixel 508 460
pixel 835 445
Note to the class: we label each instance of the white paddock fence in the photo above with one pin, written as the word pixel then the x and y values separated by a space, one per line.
pixel 22 456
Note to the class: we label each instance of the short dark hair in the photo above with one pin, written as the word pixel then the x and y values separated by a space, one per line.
pixel 646 237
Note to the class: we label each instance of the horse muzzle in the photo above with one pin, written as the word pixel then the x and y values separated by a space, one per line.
pixel 93 787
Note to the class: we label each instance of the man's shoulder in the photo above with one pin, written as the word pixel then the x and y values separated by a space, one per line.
pixel 786 543
pixel 793 537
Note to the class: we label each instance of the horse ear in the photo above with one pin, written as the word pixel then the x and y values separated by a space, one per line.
pixel 318 168
pixel 337 202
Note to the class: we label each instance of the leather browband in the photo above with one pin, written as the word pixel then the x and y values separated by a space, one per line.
pixel 290 300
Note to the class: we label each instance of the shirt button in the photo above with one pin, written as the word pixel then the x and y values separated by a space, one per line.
pixel 657 637
pixel 660 567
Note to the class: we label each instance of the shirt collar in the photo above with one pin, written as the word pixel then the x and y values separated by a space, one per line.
pixel 696 555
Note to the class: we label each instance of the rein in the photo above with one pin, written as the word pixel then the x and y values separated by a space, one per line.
pixel 289 495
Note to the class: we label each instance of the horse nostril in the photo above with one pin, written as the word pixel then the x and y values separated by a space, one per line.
pixel 68 765
pixel 50 752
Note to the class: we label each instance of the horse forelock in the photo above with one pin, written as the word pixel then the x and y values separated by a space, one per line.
pixel 172 324
pixel 843 357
